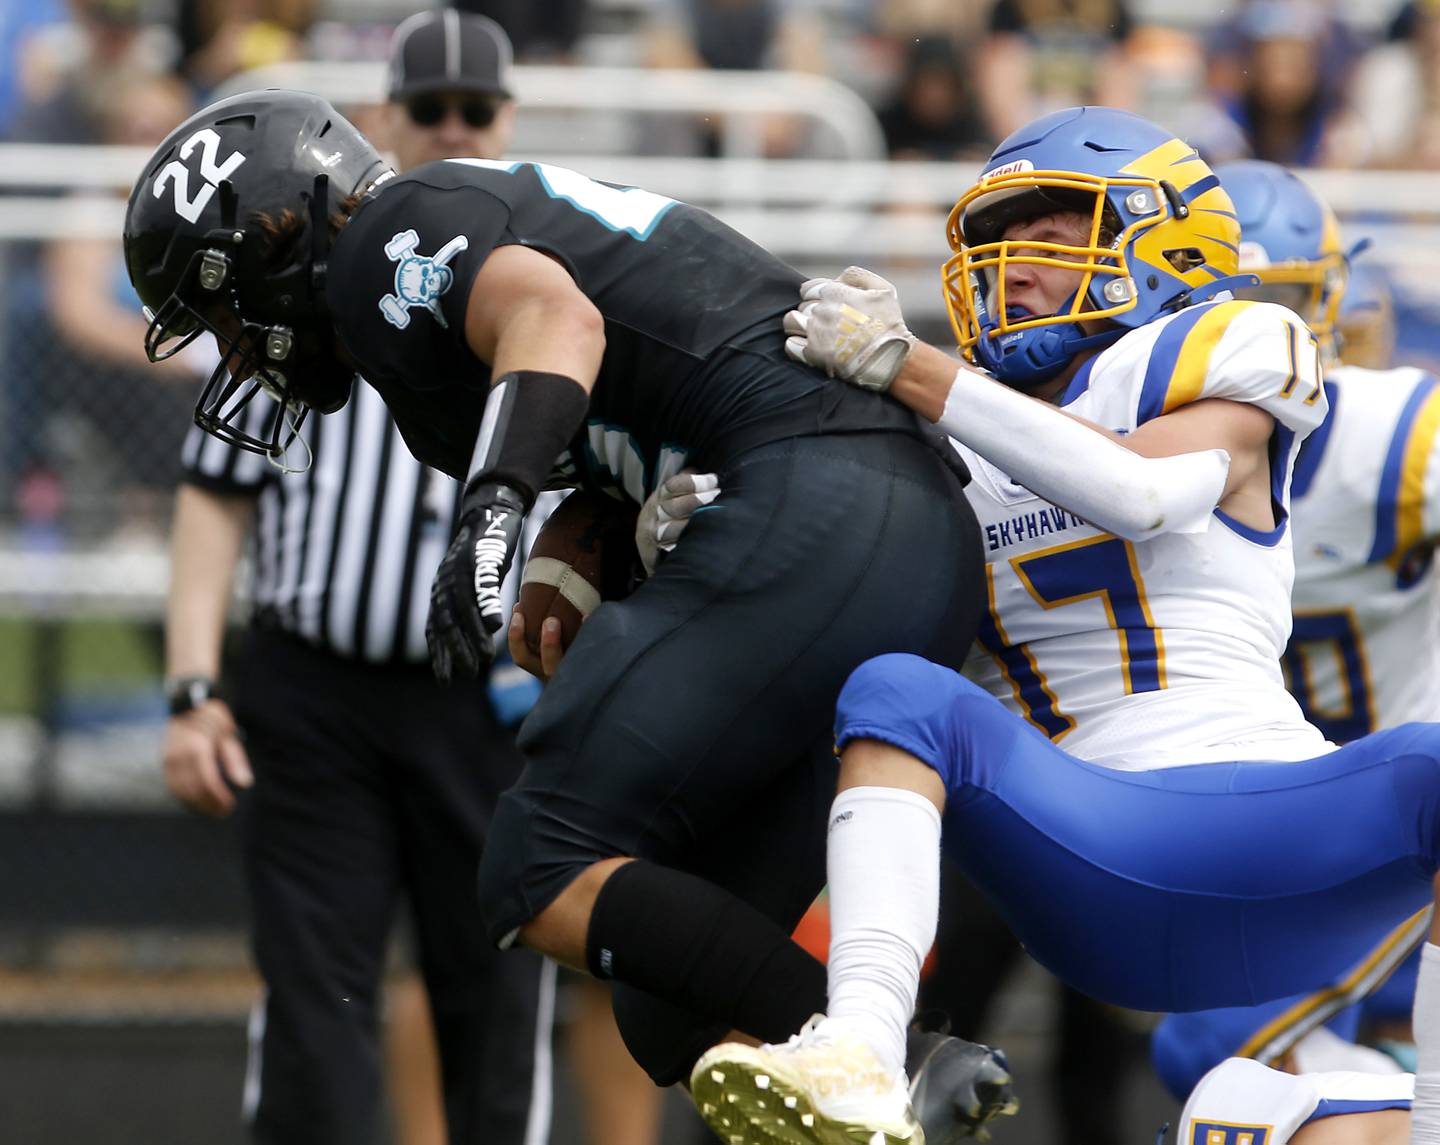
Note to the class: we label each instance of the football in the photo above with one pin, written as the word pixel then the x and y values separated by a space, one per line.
pixel 584 554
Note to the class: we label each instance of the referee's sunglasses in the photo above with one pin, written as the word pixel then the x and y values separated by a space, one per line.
pixel 428 110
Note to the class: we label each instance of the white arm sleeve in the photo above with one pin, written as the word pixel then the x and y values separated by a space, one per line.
pixel 1079 469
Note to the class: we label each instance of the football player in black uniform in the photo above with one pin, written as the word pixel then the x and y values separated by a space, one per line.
pixel 667 831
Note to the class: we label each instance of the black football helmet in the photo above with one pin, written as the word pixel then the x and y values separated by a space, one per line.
pixel 201 262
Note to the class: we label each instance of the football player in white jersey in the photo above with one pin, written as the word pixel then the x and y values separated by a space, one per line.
pixel 1364 652
pixel 1132 449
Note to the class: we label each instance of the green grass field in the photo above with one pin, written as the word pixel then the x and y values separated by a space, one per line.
pixel 95 656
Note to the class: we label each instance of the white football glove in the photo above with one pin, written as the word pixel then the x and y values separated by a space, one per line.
pixel 667 512
pixel 851 327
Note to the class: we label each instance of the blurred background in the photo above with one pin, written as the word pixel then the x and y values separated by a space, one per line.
pixel 830 131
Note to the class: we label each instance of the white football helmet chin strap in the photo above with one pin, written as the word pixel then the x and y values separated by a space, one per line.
pixel 291 417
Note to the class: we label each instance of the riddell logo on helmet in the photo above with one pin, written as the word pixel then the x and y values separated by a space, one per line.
pixel 1009 169
pixel 1253 255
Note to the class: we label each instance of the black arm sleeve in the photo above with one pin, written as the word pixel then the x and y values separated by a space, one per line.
pixel 529 419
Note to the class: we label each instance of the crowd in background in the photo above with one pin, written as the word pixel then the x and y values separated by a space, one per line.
pixel 1288 80
pixel 1295 81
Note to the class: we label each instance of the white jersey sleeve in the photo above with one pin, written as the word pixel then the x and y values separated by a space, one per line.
pixel 1241 1102
pixel 1253 352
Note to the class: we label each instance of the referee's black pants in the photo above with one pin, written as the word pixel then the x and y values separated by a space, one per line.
pixel 373 783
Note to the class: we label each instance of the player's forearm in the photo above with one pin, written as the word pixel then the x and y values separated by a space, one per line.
pixel 924 381
pixel 207 535
pixel 544 351
pixel 1075 465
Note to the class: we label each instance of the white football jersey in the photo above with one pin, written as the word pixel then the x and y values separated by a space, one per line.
pixel 1158 653
pixel 1365 652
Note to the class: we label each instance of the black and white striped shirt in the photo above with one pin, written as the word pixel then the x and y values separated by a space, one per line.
pixel 346 550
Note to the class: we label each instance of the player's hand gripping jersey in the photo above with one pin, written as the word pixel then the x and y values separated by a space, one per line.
pixel 1154 653
pixel 691 313
pixel 1365 652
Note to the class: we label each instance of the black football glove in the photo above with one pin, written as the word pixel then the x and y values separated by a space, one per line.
pixel 465 610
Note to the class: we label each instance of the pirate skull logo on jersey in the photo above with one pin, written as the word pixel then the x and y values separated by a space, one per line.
pixel 420 280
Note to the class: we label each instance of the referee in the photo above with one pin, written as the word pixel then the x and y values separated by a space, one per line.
pixel 369 781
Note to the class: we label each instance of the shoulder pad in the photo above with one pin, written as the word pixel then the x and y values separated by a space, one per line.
pixel 1254 352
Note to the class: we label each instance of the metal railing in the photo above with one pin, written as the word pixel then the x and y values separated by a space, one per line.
pixel 816 214
pixel 737 101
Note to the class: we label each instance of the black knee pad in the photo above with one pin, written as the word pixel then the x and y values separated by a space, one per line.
pixel 664 1039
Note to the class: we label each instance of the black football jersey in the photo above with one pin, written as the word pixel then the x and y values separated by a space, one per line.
pixel 694 368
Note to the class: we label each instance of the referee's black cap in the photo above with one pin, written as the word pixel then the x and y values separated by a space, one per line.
pixel 447 50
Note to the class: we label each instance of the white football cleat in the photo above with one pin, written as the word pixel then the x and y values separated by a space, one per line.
pixel 818 1088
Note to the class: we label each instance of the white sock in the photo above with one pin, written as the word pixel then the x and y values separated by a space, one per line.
pixel 1425 1114
pixel 883 854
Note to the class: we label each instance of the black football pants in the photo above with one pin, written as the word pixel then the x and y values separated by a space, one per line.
pixel 684 723
pixel 373 783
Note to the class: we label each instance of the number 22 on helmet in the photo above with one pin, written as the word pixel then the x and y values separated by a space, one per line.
pixel 200 245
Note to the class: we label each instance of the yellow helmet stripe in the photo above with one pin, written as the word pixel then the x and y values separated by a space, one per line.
pixel 1168 161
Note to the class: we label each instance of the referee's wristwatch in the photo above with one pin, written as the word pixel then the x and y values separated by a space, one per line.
pixel 186 693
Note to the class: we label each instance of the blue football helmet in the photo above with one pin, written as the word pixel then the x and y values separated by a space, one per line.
pixel 1162 234
pixel 1365 325
pixel 1290 240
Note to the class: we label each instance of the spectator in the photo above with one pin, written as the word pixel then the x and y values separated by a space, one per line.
pixel 95 410
pixel 93 306
pixel 18 26
pixel 933 114
pixel 220 38
pixel 962 20
pixel 1041 55
pixel 1398 89
pixel 743 35
pixel 1280 71
pixel 543 31
pixel 109 49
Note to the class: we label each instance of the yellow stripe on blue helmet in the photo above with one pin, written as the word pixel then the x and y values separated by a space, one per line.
pixel 1290 240
pixel 1162 231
